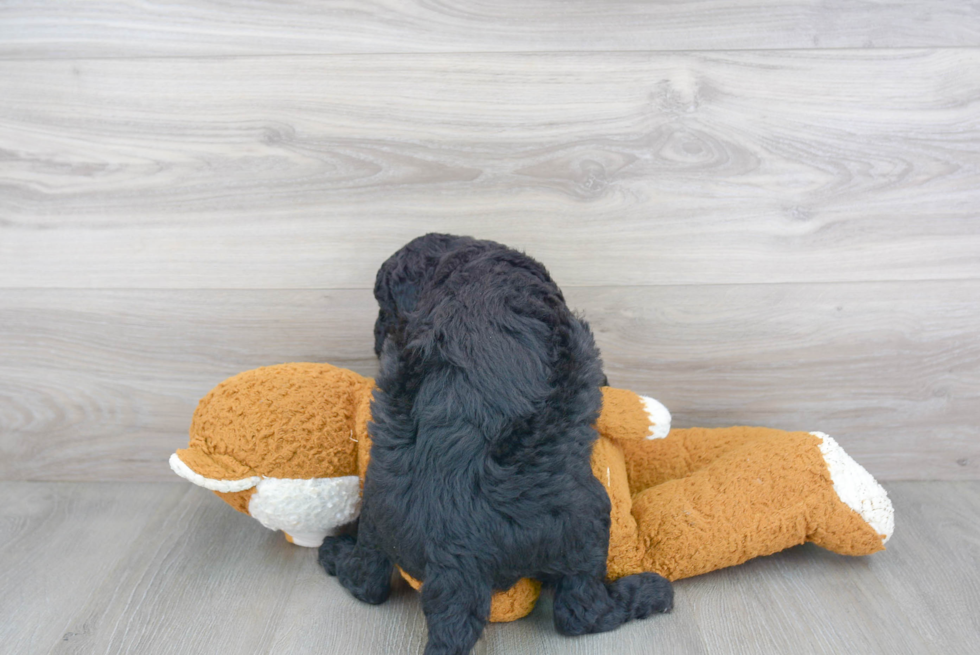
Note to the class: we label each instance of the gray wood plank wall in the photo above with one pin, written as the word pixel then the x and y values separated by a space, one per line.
pixel 769 212
pixel 49 28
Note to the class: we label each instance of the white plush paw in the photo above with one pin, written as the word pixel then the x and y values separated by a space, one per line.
pixel 857 488
pixel 310 539
pixel 307 510
pixel 659 418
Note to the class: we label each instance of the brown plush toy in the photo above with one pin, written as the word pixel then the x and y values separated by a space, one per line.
pixel 289 446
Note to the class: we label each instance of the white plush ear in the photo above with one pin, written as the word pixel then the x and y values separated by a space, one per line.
pixel 857 488
pixel 659 417
pixel 225 486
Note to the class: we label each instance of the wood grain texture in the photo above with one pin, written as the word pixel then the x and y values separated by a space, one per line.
pixel 47 28
pixel 892 371
pixel 306 172
pixel 101 385
pixel 58 543
pixel 168 568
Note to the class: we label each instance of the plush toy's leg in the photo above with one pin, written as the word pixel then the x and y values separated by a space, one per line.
pixel 364 571
pixel 585 604
pixel 757 498
pixel 456 606
pixel 682 452
pixel 861 493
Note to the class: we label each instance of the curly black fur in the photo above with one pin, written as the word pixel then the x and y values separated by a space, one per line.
pixel 482 435
pixel 403 275
pixel 401 278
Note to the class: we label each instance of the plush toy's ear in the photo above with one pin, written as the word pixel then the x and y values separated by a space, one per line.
pixel 230 479
pixel 208 472
pixel 627 416
pixel 212 471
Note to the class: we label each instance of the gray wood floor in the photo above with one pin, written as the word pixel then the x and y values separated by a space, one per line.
pixel 142 568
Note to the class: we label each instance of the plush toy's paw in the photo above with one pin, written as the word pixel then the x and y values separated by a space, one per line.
pixel 643 594
pixel 334 549
pixel 307 539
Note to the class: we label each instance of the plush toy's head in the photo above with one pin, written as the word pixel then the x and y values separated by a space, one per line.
pixel 270 444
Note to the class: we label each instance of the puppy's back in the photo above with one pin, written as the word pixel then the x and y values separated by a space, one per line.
pixel 482 435
pixel 487 397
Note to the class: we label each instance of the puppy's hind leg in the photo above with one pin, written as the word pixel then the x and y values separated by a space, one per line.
pixel 587 604
pixel 456 606
pixel 364 571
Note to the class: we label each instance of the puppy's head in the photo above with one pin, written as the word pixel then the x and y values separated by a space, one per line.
pixel 402 277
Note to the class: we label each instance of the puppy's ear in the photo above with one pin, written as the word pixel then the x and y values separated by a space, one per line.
pixel 404 294
pixel 381 329
pixel 396 294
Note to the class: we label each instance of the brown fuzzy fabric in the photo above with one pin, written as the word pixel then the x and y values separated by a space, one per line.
pixel 288 421
pixel 609 467
pixel 695 501
pixel 515 603
pixel 740 493
pixel 237 499
pixel 655 461
pixel 623 417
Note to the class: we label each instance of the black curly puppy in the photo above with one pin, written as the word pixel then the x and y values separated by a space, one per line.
pixel 482 435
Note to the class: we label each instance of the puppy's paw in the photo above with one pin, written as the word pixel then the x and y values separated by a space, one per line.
pixel 643 594
pixel 366 574
pixel 332 550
